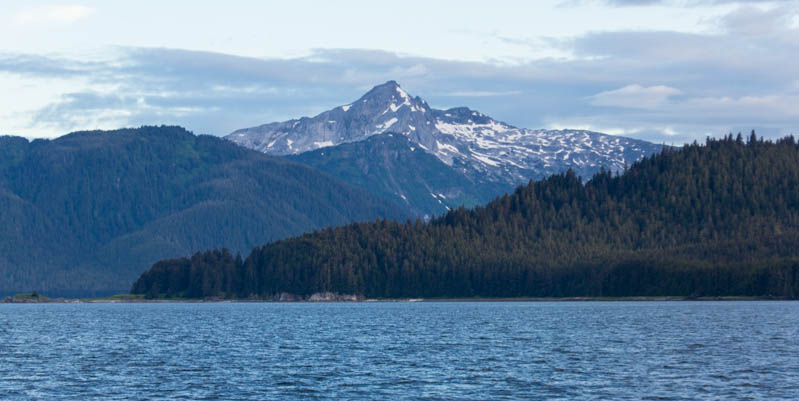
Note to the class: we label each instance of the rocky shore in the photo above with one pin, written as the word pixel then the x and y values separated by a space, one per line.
pixel 336 297
pixel 32 298
pixel 317 297
pixel 281 297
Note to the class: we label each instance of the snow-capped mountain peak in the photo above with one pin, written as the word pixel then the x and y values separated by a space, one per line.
pixel 465 139
pixel 384 108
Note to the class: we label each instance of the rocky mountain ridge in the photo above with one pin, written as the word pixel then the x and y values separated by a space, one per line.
pixel 467 140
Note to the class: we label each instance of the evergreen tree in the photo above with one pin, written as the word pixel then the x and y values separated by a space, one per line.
pixel 706 220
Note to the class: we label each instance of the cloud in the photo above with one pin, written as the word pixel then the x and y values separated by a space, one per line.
pixel 61 14
pixel 656 85
pixel 217 93
pixel 777 108
pixel 689 119
pixel 635 97
pixel 481 93
pixel 627 3
pixel 48 66
pixel 754 21
pixel 612 3
pixel 669 3
pixel 75 111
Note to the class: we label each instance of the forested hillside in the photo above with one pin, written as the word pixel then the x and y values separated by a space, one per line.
pixel 714 219
pixel 86 213
pixel 392 166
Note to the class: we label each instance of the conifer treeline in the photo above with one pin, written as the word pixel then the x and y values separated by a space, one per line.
pixel 81 215
pixel 706 220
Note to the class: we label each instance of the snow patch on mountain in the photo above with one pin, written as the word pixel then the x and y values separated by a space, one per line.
pixel 386 125
pixel 460 137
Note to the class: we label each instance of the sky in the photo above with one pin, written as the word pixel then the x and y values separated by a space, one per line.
pixel 665 71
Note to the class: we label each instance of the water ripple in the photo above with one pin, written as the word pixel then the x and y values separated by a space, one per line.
pixel 419 351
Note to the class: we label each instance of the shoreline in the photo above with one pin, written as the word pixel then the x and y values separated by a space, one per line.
pixel 43 300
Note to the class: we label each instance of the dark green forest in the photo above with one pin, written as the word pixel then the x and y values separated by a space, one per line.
pixel 717 219
pixel 86 213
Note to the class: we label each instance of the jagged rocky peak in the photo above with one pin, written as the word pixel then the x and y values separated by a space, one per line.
pixel 389 91
pixel 384 108
pixel 464 115
pixel 472 142
pixel 388 99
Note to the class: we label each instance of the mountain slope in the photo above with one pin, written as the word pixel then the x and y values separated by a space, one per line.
pixel 713 220
pixel 478 146
pixel 86 213
pixel 392 166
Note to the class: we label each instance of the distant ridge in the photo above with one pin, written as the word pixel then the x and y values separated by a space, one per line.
pixel 492 156
pixel 477 145
pixel 393 167
pixel 86 213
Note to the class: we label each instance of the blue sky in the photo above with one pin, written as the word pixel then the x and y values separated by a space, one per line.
pixel 665 71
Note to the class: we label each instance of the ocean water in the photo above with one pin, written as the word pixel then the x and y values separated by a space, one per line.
pixel 396 351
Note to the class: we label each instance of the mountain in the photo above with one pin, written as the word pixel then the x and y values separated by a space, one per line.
pixel 395 168
pixel 713 220
pixel 483 149
pixel 86 213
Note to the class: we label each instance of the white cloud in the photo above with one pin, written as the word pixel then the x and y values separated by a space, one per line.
pixel 217 93
pixel 635 97
pixel 690 118
pixel 18 111
pixel 767 107
pixel 481 93
pixel 411 71
pixel 755 21
pixel 60 14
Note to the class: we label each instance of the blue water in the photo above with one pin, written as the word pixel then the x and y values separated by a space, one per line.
pixel 390 351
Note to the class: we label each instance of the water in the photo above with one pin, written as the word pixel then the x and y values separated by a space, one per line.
pixel 492 351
